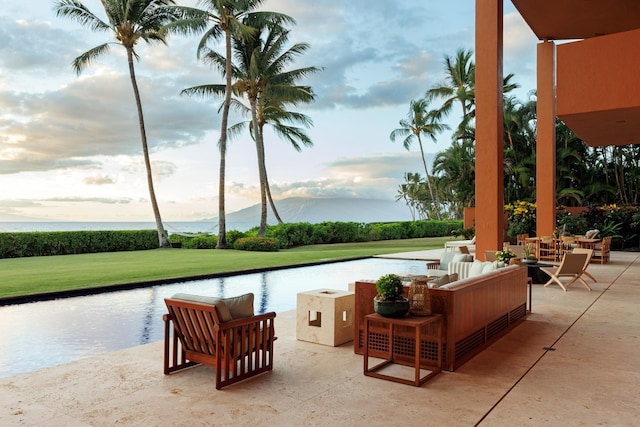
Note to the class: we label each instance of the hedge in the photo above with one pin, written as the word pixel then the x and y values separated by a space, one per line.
pixel 16 245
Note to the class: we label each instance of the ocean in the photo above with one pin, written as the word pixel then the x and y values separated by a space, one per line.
pixel 172 227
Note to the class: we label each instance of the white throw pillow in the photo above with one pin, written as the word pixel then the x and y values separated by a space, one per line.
pixel 489 266
pixel 476 268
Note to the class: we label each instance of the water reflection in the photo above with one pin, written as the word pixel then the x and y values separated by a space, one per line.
pixel 47 333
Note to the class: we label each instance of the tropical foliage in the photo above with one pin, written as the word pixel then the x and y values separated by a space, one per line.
pixel 585 176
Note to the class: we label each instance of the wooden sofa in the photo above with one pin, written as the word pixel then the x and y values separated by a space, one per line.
pixel 477 311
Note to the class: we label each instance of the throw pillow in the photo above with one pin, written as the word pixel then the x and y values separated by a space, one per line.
pixel 461 258
pixel 445 259
pixel 489 266
pixel 476 268
pixel 240 306
pixel 438 281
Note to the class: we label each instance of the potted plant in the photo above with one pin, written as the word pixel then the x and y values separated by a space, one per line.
pixel 505 256
pixel 529 254
pixel 389 302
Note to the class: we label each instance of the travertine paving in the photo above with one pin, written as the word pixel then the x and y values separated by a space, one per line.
pixel 572 362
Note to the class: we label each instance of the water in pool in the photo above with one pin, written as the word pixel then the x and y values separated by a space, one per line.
pixel 41 334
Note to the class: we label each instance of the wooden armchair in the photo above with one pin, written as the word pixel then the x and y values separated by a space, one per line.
pixel 222 333
pixel 601 251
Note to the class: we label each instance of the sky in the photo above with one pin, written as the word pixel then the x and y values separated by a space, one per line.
pixel 70 145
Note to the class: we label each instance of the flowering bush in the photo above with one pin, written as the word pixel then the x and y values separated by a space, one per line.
pixel 521 218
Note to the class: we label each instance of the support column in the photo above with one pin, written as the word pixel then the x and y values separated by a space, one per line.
pixel 489 127
pixel 546 140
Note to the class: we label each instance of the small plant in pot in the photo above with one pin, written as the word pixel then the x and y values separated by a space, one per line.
pixel 389 302
pixel 529 254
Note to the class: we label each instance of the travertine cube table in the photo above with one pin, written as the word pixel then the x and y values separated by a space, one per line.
pixel 325 316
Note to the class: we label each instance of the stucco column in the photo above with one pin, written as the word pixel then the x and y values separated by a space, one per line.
pixel 546 140
pixel 489 127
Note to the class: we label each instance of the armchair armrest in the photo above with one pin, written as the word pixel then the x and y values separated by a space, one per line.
pixel 433 265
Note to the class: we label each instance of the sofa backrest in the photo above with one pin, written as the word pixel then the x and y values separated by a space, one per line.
pixel 471 269
pixel 449 257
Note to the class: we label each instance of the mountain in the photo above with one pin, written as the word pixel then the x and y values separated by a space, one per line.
pixel 299 209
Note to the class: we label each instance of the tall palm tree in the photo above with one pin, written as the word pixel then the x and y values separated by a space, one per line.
pixel 420 121
pixel 260 76
pixel 458 87
pixel 270 88
pixel 129 21
pixel 227 19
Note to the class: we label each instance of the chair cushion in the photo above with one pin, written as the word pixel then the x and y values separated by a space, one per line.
pixel 240 306
pixel 228 308
pixel 445 259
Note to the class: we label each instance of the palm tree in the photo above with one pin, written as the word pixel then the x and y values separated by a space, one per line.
pixel 459 86
pixel 227 18
pixel 130 21
pixel 259 76
pixel 262 77
pixel 420 121
pixel 455 167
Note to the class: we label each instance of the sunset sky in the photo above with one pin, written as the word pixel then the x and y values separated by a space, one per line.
pixel 70 146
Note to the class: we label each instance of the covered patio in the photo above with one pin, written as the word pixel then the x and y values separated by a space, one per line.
pixel 569 363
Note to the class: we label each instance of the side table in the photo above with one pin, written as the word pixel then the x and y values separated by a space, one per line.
pixel 412 341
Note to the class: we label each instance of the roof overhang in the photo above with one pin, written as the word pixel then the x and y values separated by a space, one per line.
pixel 596 85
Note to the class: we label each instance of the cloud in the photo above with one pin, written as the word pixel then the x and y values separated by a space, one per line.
pixel 376 177
pixel 95 116
pixel 101 200
pixel 99 180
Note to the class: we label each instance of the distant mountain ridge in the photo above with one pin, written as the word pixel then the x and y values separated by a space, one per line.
pixel 314 210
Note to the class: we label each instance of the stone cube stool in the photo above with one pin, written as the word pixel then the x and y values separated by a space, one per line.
pixel 325 316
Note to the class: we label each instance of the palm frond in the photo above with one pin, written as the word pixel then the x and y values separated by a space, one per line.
pixel 87 58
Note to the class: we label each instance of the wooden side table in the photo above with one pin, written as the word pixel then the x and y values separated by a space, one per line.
pixel 412 341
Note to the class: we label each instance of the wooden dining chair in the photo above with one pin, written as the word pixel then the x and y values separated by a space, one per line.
pixel 547 250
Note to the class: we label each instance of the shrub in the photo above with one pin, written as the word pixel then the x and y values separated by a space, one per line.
pixel 15 245
pixel 232 236
pixel 201 242
pixel 259 244
pixel 521 218
pixel 290 235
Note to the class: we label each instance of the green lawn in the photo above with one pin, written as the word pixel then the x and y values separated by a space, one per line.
pixel 28 276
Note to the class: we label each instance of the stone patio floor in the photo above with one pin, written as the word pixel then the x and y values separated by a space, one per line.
pixel 573 362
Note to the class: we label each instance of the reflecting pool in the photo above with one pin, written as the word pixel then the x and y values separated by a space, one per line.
pixel 46 333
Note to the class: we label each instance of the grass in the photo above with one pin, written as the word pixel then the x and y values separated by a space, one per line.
pixel 41 275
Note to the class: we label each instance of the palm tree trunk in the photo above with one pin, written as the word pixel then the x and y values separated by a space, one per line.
pixel 222 145
pixel 266 178
pixel 163 238
pixel 426 171
pixel 261 168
